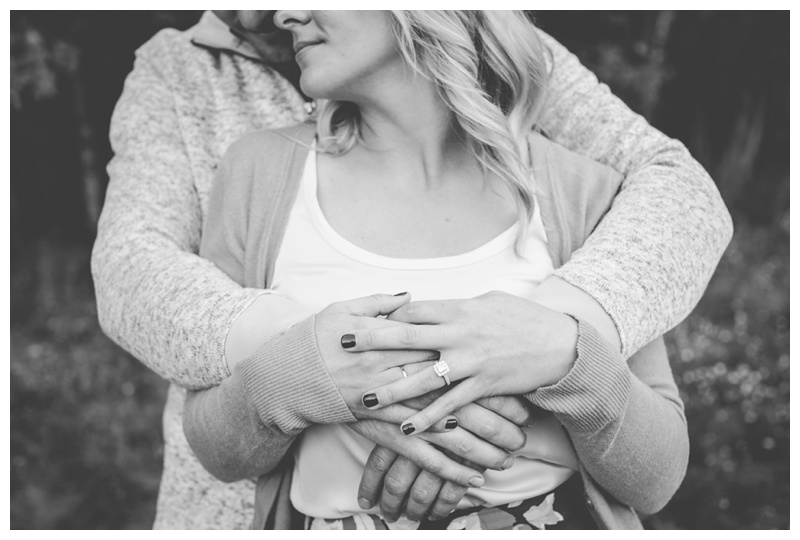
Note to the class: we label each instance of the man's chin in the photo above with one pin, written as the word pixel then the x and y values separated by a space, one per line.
pixel 260 22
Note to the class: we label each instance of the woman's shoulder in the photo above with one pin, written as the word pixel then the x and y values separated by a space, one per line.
pixel 574 191
pixel 563 174
pixel 268 143
pixel 546 154
pixel 257 164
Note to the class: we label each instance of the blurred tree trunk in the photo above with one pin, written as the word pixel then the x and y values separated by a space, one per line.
pixel 90 176
pixel 656 63
pixel 737 162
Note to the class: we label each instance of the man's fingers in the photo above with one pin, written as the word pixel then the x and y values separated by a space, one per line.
pixel 515 409
pixel 422 494
pixel 465 445
pixel 396 485
pixel 378 464
pixel 449 496
pixel 491 427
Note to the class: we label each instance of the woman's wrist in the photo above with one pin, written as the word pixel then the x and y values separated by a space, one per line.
pixel 289 384
pixel 268 316
pixel 560 295
pixel 594 391
pixel 564 350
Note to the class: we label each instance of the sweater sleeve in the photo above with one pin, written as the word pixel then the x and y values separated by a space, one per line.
pixel 650 259
pixel 625 419
pixel 155 297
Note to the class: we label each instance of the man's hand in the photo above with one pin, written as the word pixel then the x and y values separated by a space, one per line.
pixel 392 479
pixel 395 481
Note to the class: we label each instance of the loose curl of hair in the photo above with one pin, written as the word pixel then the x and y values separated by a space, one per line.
pixel 490 69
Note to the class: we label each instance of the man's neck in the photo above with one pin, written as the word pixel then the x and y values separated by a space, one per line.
pixel 274 49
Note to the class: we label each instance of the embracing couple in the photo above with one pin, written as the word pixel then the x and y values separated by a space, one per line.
pixel 404 270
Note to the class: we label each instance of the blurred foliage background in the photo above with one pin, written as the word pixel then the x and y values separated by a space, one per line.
pixel 86 443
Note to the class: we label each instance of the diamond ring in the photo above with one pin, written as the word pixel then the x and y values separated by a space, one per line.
pixel 442 369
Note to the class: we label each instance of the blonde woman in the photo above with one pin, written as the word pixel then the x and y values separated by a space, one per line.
pixel 424 174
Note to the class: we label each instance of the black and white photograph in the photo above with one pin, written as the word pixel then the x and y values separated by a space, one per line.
pixel 408 270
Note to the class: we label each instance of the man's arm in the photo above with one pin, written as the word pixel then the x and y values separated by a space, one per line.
pixel 156 298
pixel 648 262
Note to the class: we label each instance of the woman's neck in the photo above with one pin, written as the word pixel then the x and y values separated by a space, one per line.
pixel 409 127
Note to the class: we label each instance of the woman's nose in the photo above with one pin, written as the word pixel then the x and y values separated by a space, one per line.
pixel 286 19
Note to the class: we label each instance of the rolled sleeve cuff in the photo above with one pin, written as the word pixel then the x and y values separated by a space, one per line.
pixel 289 384
pixel 595 391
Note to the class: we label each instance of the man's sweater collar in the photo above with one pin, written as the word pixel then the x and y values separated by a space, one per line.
pixel 211 32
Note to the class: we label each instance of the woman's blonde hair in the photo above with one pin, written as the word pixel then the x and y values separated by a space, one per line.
pixel 489 68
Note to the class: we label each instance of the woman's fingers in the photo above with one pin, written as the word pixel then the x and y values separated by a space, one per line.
pixel 422 495
pixel 395 414
pixel 378 464
pixel 374 305
pixel 399 336
pixel 418 384
pixel 428 312
pixel 455 398
pixel 420 451
pixel 396 486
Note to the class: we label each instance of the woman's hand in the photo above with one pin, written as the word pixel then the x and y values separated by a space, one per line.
pixel 354 372
pixel 495 344
pixel 427 451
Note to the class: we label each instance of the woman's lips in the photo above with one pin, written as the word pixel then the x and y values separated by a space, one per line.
pixel 301 45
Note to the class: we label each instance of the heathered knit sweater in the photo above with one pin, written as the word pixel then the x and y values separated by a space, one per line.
pixel 193 93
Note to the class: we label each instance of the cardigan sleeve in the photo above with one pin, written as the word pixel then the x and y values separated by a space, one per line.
pixel 243 427
pixel 625 419
pixel 650 259
pixel 155 297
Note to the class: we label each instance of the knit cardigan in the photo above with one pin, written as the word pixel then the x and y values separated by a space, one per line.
pixel 625 418
pixel 191 94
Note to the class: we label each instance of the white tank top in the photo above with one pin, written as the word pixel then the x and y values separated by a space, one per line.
pixel 316 267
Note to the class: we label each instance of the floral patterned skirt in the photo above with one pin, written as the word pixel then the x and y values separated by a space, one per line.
pixel 564 508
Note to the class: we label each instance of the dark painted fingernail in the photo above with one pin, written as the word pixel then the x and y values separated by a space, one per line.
pixel 451 424
pixel 370 400
pixel 476 481
pixel 348 341
pixel 408 428
pixel 364 503
pixel 402 293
